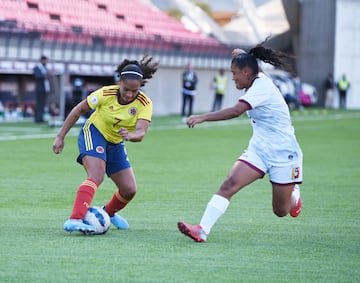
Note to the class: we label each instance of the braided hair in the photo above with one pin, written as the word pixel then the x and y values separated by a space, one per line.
pixel 146 64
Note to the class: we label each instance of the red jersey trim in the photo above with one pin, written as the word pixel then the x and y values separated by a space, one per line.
pixel 253 167
pixel 248 104
pixel 144 101
pixel 110 92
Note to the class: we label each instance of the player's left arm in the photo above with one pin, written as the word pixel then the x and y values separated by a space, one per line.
pixel 140 130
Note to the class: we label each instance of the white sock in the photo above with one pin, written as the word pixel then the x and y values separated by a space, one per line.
pixel 214 210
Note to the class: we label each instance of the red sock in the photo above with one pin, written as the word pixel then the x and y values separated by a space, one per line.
pixel 83 199
pixel 117 203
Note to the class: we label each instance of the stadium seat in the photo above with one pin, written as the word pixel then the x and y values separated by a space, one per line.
pixel 106 19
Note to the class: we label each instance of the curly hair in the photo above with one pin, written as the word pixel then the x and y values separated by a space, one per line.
pixel 146 64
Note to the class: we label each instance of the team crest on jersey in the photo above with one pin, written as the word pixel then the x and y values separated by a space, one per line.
pixel 133 111
pixel 94 100
pixel 295 173
pixel 99 149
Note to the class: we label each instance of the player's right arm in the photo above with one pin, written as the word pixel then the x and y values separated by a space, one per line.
pixel 225 114
pixel 69 122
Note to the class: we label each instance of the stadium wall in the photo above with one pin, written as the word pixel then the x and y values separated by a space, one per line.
pixel 165 90
pixel 326 38
pixel 347 48
pixel 313 40
pixel 95 64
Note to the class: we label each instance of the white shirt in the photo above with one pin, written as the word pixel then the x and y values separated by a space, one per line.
pixel 273 134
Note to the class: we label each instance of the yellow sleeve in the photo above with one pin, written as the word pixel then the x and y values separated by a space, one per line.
pixel 95 98
pixel 146 112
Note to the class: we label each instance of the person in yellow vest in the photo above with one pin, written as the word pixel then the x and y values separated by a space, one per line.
pixel 343 86
pixel 219 85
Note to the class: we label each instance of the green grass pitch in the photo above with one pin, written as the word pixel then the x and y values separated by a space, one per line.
pixel 178 170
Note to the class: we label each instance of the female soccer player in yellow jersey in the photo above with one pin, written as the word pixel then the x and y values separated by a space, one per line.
pixel 122 113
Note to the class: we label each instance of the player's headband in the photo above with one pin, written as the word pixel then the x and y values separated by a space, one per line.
pixel 131 71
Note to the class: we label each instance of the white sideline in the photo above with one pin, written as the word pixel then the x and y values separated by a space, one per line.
pixel 28 133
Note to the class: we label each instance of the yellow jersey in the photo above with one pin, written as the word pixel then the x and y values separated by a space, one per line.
pixel 109 116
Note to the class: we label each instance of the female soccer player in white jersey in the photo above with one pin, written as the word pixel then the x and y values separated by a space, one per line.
pixel 122 113
pixel 272 149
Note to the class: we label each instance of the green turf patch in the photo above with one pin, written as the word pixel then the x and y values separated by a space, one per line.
pixel 177 170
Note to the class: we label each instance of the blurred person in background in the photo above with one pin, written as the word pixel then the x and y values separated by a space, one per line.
pixel 273 148
pixel 123 113
pixel 75 96
pixel 2 111
pixel 343 86
pixel 189 82
pixel 42 88
pixel 78 92
pixel 219 86
pixel 329 91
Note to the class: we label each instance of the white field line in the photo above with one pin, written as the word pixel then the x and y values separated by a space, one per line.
pixel 179 125
pixel 30 133
pixel 27 134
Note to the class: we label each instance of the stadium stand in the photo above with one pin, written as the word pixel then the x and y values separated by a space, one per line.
pixel 86 39
pixel 123 24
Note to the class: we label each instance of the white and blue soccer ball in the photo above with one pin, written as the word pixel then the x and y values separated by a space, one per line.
pixel 97 217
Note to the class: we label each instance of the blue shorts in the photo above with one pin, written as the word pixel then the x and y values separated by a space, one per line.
pixel 92 143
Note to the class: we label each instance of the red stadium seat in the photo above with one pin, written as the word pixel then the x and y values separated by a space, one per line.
pixel 113 21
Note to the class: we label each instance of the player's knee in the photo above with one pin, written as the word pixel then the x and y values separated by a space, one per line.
pixel 98 178
pixel 228 187
pixel 128 193
pixel 131 194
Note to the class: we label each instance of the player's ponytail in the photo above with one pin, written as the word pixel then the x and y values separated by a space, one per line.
pixel 146 64
pixel 274 57
pixel 148 67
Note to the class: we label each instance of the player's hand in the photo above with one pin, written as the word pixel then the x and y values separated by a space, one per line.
pixel 237 51
pixel 124 133
pixel 193 120
pixel 58 145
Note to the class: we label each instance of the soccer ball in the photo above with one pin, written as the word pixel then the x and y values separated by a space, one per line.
pixel 97 217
